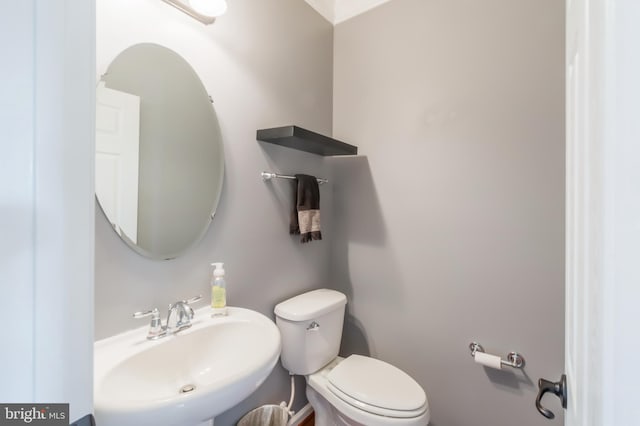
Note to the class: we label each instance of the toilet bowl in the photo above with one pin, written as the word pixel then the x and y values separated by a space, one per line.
pixel 354 391
pixel 365 391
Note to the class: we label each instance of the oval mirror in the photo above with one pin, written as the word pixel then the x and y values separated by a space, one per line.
pixel 159 153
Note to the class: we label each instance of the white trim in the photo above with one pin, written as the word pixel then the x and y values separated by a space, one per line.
pixel 603 212
pixel 586 213
pixel 336 11
pixel 347 9
pixel 64 203
pixel 326 8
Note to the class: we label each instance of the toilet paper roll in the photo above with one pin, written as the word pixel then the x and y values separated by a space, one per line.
pixel 487 360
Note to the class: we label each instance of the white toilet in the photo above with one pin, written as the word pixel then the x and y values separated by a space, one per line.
pixel 354 391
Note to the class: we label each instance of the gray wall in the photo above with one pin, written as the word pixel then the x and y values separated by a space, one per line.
pixel 450 228
pixel 265 64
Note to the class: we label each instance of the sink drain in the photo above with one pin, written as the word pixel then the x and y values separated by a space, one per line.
pixel 187 388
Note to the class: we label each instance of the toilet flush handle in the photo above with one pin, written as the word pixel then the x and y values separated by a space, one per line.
pixel 314 326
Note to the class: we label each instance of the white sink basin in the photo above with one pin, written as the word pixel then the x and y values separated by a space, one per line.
pixel 224 359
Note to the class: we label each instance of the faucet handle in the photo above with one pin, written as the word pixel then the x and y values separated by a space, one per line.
pixel 143 314
pixel 185 302
pixel 155 328
pixel 189 309
pixel 192 300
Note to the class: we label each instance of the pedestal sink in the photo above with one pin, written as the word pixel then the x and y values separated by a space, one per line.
pixel 186 378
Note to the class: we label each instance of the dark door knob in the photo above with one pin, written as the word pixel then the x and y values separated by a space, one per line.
pixel 559 389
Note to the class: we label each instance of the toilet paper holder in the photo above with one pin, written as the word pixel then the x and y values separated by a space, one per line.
pixel 514 359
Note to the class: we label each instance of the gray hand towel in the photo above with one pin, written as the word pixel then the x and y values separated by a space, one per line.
pixel 305 215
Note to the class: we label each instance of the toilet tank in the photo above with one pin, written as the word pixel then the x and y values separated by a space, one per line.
pixel 311 329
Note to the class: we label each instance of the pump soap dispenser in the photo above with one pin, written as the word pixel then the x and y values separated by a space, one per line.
pixel 218 290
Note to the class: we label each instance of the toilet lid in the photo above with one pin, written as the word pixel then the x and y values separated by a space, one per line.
pixel 377 387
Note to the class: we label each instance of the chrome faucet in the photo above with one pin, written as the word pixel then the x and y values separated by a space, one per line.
pixel 178 318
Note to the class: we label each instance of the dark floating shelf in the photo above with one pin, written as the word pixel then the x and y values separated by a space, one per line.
pixel 305 140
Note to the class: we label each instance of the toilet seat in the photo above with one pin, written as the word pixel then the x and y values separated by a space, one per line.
pixel 377 387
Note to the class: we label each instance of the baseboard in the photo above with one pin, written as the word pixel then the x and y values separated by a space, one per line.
pixel 304 417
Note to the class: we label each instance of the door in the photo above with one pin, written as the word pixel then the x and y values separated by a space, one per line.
pixel 117 154
pixel 583 316
pixel 586 213
pixel 584 232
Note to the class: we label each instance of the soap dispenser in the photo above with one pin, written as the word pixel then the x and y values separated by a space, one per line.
pixel 218 290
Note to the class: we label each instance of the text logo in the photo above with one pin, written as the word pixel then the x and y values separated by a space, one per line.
pixel 34 414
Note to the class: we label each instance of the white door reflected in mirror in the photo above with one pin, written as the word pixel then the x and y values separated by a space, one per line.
pixel 117 153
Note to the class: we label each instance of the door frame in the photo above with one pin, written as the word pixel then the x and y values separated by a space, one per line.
pixel 603 212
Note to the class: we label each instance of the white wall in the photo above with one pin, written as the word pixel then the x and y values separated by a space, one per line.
pixel 265 64
pixel 621 177
pixel 47 209
pixel 17 202
pixel 452 227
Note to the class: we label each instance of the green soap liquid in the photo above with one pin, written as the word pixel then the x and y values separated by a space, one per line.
pixel 218 297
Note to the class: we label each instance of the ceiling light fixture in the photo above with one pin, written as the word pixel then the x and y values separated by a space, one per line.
pixel 204 11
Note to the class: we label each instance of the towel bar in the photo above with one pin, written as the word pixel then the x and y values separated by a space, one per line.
pixel 268 176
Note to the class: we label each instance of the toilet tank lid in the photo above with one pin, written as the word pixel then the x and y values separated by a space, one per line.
pixel 310 305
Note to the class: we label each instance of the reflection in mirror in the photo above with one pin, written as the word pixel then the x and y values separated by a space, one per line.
pixel 159 152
